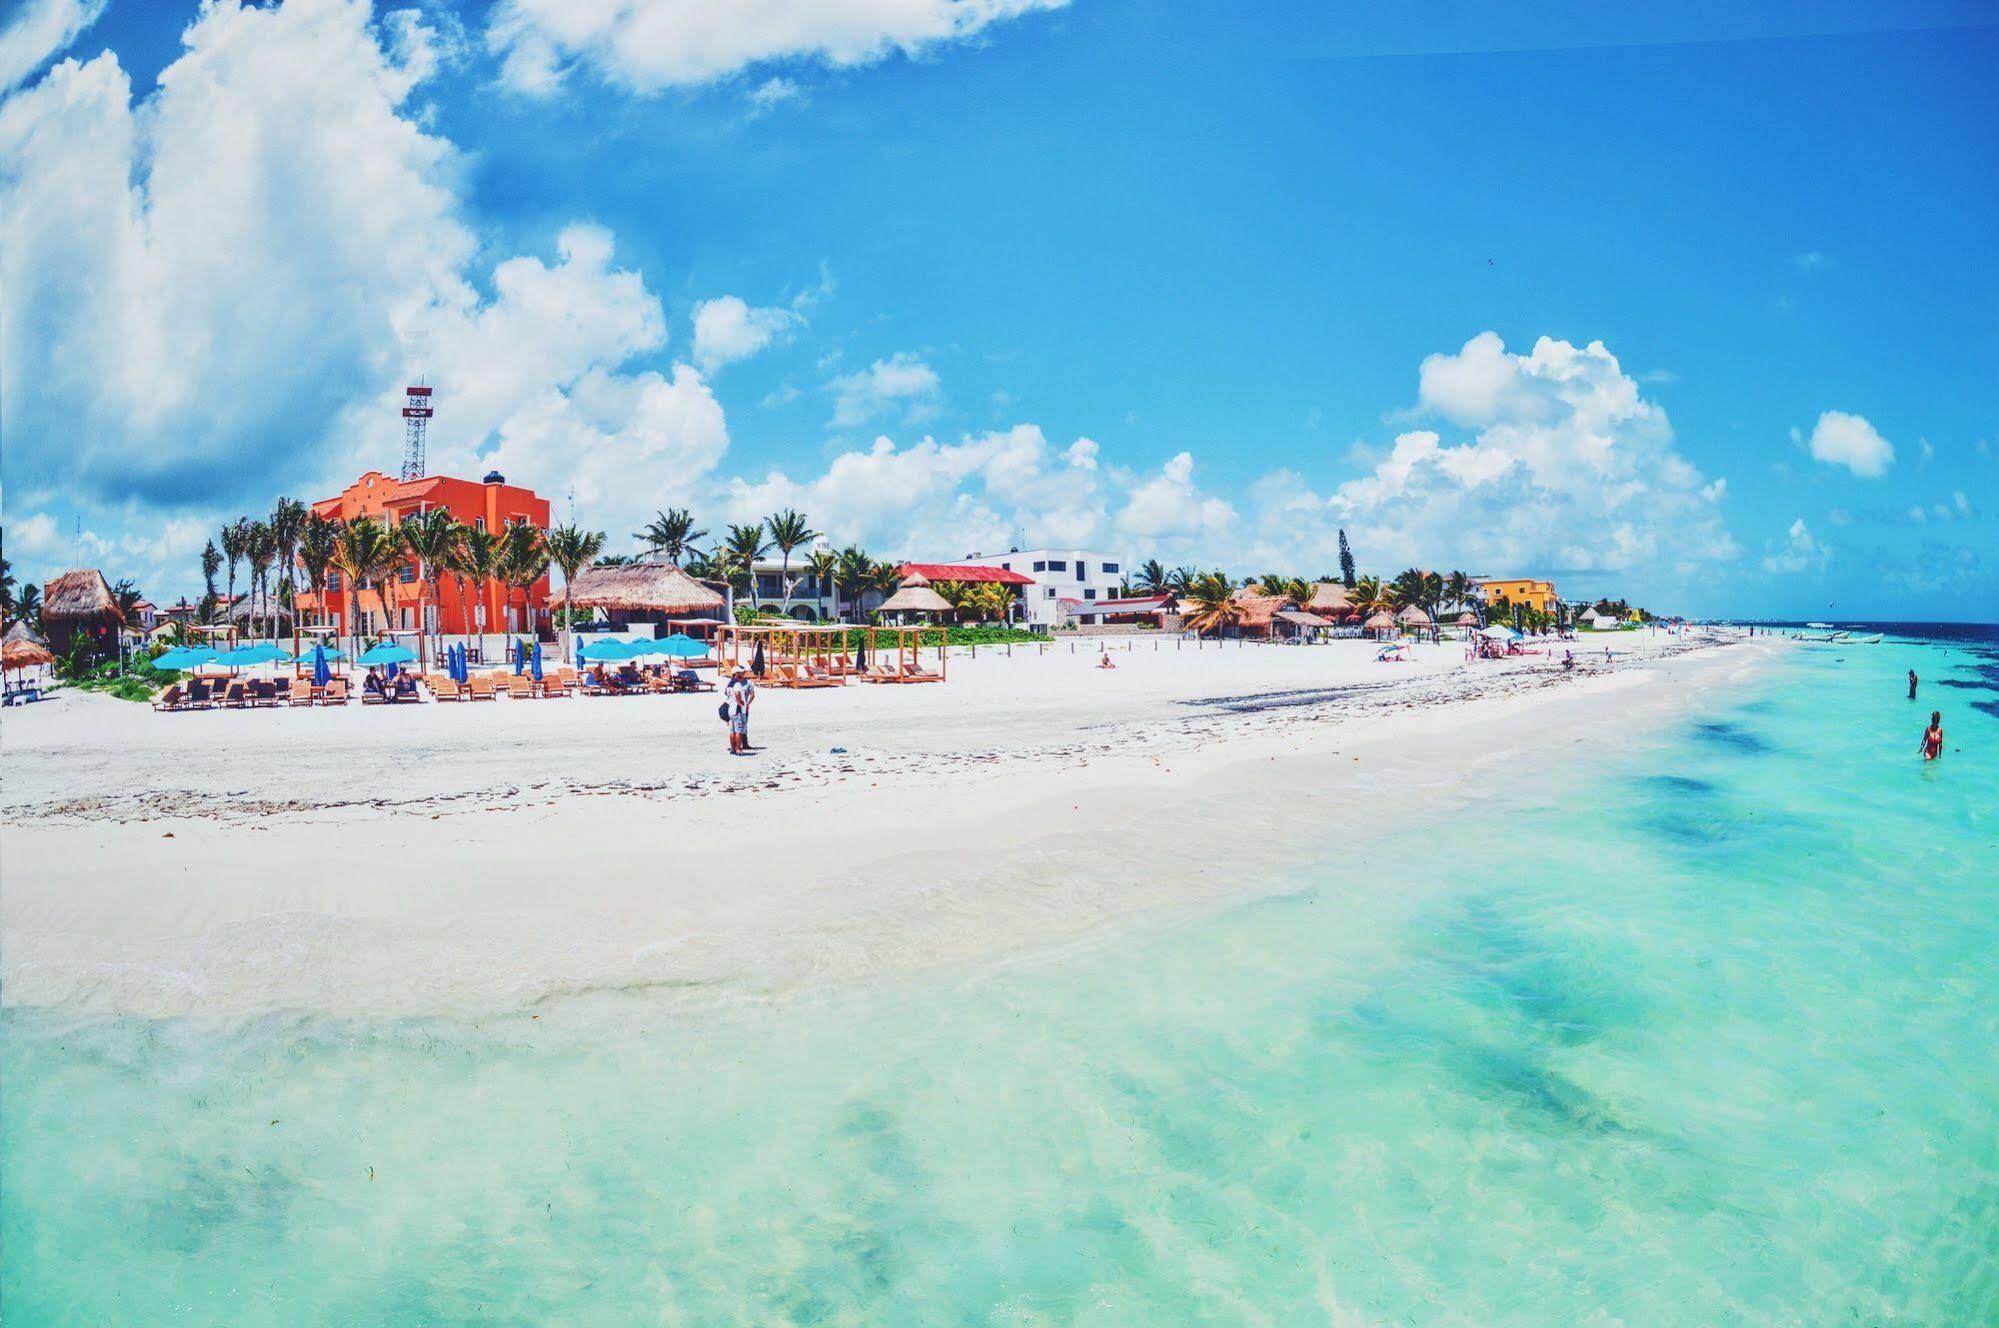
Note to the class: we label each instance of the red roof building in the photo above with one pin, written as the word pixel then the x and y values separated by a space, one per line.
pixel 964 572
pixel 491 504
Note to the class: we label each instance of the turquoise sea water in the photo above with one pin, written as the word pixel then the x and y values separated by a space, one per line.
pixel 1702 1034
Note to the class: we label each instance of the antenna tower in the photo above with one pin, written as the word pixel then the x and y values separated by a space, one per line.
pixel 416 425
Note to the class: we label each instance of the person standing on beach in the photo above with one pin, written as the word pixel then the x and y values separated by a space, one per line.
pixel 1912 684
pixel 738 696
pixel 1933 737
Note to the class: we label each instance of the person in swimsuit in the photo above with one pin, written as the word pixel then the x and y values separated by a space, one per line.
pixel 1912 684
pixel 1933 737
pixel 1105 662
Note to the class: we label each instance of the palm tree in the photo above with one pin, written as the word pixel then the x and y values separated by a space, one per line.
pixel 822 566
pixel 428 537
pixel 523 561
pixel 475 558
pixel 1153 578
pixel 318 549
pixel 1432 592
pixel 287 520
pixel 232 550
pixel 1368 597
pixel 28 607
pixel 1209 603
pixel 211 563
pixel 260 546
pixel 739 554
pixel 368 551
pixel 571 550
pixel 1180 578
pixel 788 531
pixel 997 601
pixel 852 575
pixel 621 560
pixel 6 591
pixel 883 578
pixel 671 533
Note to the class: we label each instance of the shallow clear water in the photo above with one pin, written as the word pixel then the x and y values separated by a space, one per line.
pixel 1709 1040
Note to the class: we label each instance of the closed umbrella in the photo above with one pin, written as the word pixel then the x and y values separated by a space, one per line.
pixel 534 664
pixel 861 653
pixel 757 660
pixel 321 674
pixel 520 656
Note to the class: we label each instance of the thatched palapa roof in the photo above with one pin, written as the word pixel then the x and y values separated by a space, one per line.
pixel 1330 597
pixel 24 655
pixel 21 632
pixel 1379 621
pixel 916 596
pixel 1414 616
pixel 642 587
pixel 80 596
pixel 1258 610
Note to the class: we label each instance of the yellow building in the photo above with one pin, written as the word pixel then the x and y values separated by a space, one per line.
pixel 1519 590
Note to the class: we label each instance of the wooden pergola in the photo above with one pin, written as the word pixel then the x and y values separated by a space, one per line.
pixel 908 655
pixel 795 654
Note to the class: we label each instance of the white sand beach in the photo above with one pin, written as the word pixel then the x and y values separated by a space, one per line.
pixel 455 858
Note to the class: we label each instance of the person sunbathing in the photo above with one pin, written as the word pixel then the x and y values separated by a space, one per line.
pixel 372 684
pixel 1105 661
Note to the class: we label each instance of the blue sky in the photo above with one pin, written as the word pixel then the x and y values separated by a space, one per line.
pixel 1699 308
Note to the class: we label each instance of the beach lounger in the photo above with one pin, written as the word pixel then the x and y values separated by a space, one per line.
pixel 236 696
pixel 198 695
pixel 443 688
pixel 282 693
pixel 520 686
pixel 560 683
pixel 263 693
pixel 481 687
pixel 336 692
pixel 170 699
pixel 303 693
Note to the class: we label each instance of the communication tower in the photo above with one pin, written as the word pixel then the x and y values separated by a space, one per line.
pixel 416 424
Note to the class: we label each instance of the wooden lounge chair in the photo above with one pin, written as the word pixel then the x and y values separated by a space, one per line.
pixel 199 696
pixel 520 686
pixel 263 692
pixel 170 699
pixel 282 691
pixel 236 696
pixel 687 681
pixel 336 692
pixel 303 693
pixel 444 688
pixel 481 687
pixel 562 682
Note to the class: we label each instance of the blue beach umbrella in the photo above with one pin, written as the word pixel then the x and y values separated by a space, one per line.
pixel 321 674
pixel 602 652
pixel 333 654
pixel 246 656
pixel 182 658
pixel 520 656
pixel 534 664
pixel 679 646
pixel 387 654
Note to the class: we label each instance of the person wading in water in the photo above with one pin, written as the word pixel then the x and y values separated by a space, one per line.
pixel 1933 737
pixel 1912 684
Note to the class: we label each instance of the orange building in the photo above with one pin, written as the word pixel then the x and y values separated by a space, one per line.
pixel 1523 591
pixel 491 504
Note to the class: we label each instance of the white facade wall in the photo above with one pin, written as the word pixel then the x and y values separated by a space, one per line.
pixel 1084 574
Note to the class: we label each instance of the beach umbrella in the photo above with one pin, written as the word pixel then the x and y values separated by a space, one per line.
pixel 520 656
pixel 757 660
pixel 534 664
pixel 334 654
pixel 387 654
pixel 680 646
pixel 1498 632
pixel 179 659
pixel 321 674
pixel 601 652
pixel 248 656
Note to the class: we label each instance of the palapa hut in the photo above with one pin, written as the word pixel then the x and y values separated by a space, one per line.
pixel 80 605
pixel 1330 599
pixel 1413 616
pixel 1298 624
pixel 631 594
pixel 1467 620
pixel 1383 621
pixel 1256 614
pixel 914 596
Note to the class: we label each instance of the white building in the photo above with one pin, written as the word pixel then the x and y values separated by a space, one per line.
pixel 1059 574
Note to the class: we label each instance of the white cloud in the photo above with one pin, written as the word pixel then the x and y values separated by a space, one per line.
pixel 728 329
pixel 939 499
pixel 1798 551
pixel 1840 439
pixel 1808 261
pixel 647 45
pixel 774 92
pixel 899 382
pixel 41 30
pixel 194 322
pixel 1169 507
pixel 1925 451
pixel 1568 468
